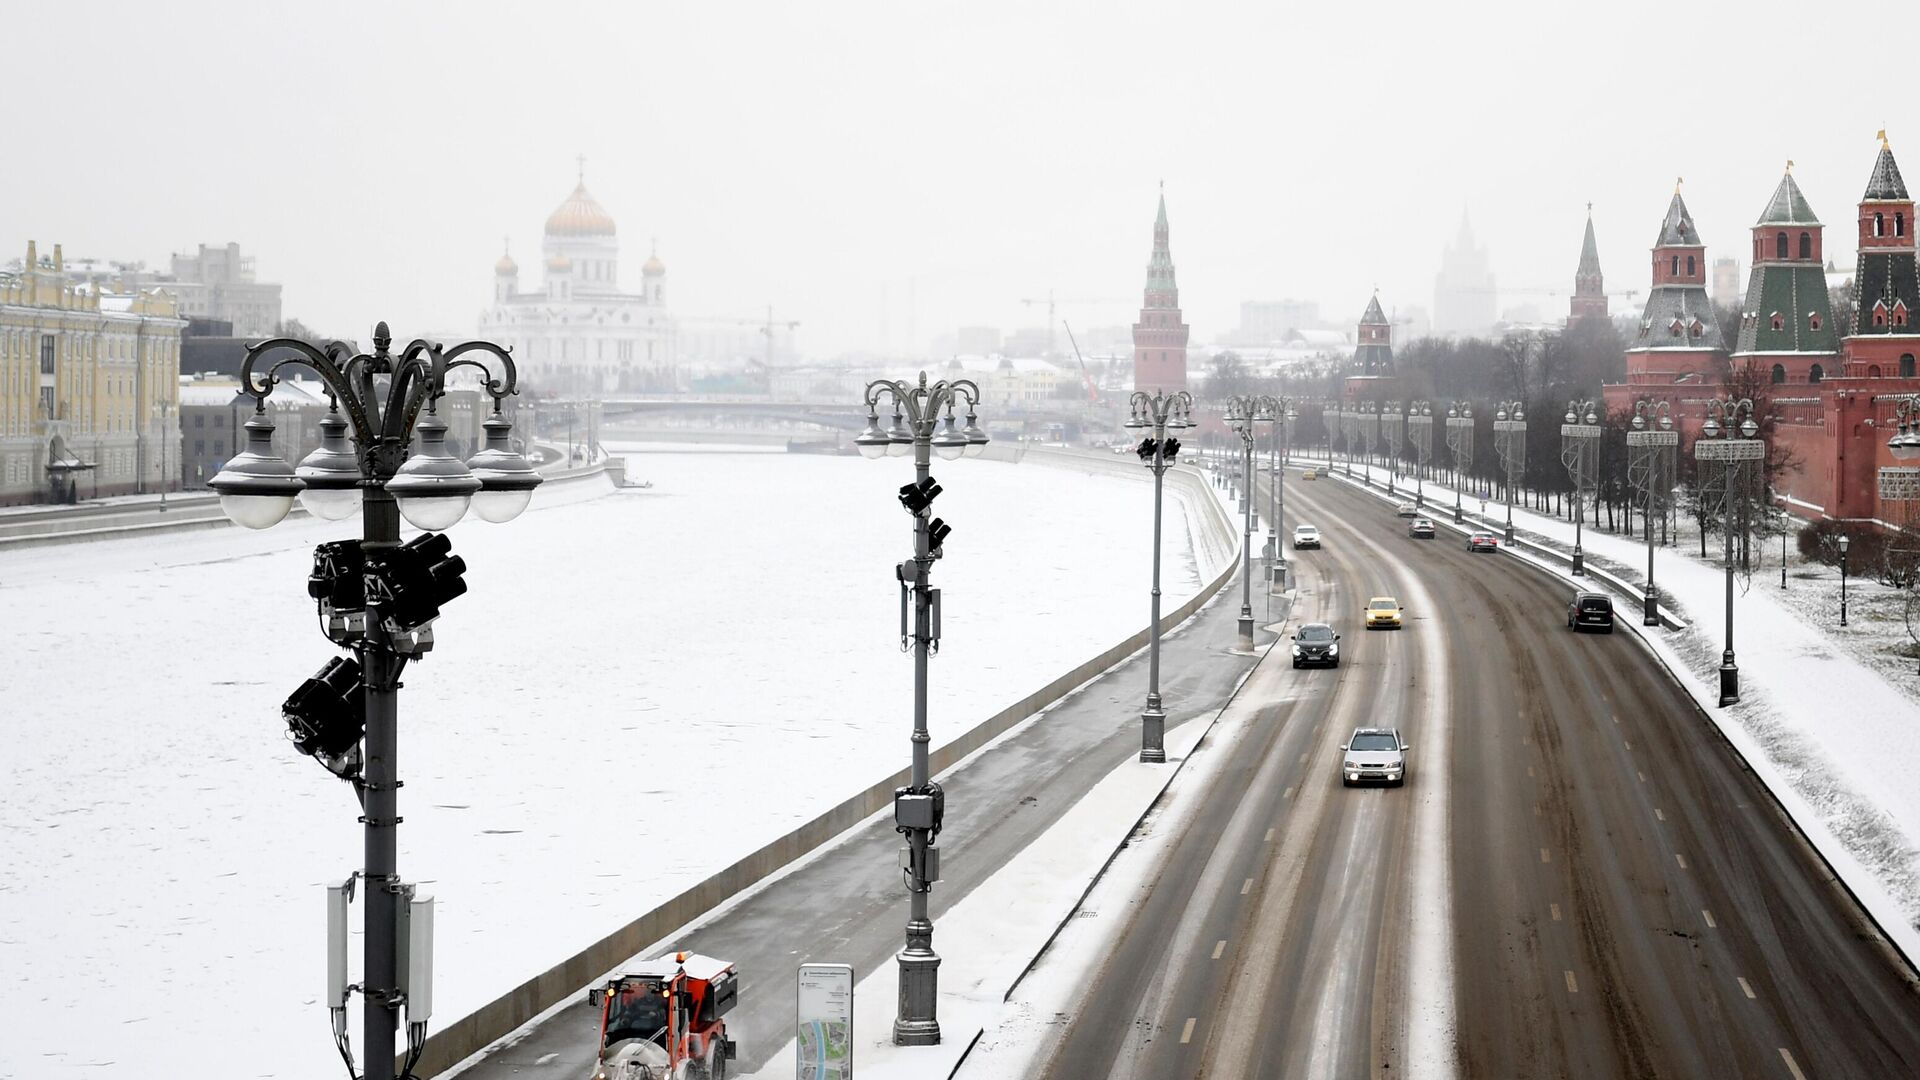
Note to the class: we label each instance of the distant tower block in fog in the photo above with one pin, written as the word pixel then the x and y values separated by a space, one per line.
pixel 1374 352
pixel 1589 288
pixel 1726 281
pixel 1160 337
pixel 1464 299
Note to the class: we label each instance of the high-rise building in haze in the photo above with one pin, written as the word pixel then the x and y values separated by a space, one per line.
pixel 1589 286
pixel 1160 337
pixel 1464 299
pixel 1726 281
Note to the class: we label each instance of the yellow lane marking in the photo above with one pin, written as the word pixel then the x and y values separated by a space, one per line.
pixel 1219 947
pixel 1745 988
pixel 1681 859
pixel 1246 887
pixel 1791 1067
pixel 1545 855
pixel 1186 1033
pixel 1709 917
pixel 1572 986
pixel 1555 908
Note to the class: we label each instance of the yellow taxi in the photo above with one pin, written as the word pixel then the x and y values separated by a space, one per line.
pixel 1383 613
pixel 1309 475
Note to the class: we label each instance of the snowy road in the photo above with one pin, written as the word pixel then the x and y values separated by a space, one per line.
pixel 1622 897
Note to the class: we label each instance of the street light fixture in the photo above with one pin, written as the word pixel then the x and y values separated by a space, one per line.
pixel 1651 447
pixel 1392 420
pixel 1727 439
pixel 1281 412
pixel 376 596
pixel 1242 412
pixel 1844 541
pixel 1580 454
pixel 1420 432
pixel 1160 413
pixel 1510 443
pixel 1460 444
pixel 919 807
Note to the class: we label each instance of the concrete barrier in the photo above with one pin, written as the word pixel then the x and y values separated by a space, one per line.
pixel 200 512
pixel 457 1040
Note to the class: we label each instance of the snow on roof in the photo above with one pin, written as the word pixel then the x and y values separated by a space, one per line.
pixel 696 966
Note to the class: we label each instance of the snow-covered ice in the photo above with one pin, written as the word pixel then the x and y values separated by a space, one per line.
pixel 720 649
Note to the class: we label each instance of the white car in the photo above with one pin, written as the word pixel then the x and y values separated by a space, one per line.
pixel 1374 754
pixel 1306 536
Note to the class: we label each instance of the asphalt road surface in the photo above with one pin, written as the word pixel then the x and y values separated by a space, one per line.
pixel 848 905
pixel 1579 879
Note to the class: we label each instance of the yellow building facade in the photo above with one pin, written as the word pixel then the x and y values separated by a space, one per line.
pixel 89 386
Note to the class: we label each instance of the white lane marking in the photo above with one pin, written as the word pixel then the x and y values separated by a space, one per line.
pixel 1246 887
pixel 1186 1033
pixel 1791 1066
pixel 547 1059
pixel 1746 988
pixel 1628 743
pixel 1303 758
pixel 1545 855
pixel 1529 770
pixel 1658 814
pixel 1708 915
pixel 1287 794
pixel 1681 859
pixel 1572 986
pixel 1269 838
pixel 1616 718
pixel 1219 947
pixel 1643 776
pixel 1555 908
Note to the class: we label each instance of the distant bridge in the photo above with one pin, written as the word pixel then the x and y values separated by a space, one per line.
pixel 849 415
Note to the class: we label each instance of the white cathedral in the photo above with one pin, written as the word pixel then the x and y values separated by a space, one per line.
pixel 578 333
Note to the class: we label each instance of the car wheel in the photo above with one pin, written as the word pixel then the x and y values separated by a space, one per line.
pixel 1296 665
pixel 1344 782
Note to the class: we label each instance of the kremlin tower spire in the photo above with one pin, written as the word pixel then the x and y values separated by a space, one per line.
pixel 1589 287
pixel 1160 337
pixel 1885 333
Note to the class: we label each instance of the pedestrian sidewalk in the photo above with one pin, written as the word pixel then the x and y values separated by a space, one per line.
pixel 1832 738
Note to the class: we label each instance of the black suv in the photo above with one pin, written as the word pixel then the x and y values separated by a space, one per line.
pixel 1591 609
pixel 1316 643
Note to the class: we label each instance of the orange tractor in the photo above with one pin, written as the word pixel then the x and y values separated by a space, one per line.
pixel 664 1020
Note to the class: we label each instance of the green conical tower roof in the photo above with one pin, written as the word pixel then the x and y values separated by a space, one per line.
pixel 1589 252
pixel 1885 182
pixel 1677 229
pixel 1788 206
pixel 1374 316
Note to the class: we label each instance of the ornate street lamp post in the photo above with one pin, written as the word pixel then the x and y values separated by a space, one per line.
pixel 1243 411
pixel 1460 444
pixel 1391 421
pixel 377 597
pixel 1420 429
pixel 1369 413
pixel 1159 413
pixel 1727 440
pixel 1510 443
pixel 1281 410
pixel 1580 453
pixel 1651 447
pixel 918 808
pixel 1844 541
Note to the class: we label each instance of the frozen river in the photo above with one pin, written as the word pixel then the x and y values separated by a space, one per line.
pixel 640 688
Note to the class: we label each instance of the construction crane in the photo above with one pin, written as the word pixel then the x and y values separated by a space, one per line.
pixel 767 326
pixel 1093 392
pixel 1053 305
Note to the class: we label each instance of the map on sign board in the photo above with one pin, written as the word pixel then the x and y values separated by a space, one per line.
pixel 825 1022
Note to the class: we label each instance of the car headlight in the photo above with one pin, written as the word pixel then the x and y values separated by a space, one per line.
pixel 1333 650
pixel 1296 650
pixel 1352 767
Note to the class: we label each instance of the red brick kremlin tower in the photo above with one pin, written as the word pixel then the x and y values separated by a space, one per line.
pixel 1160 337
pixel 1884 336
pixel 1589 288
pixel 1676 354
pixel 1787 334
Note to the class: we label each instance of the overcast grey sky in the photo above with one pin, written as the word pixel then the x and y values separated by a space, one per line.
pixel 822 156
